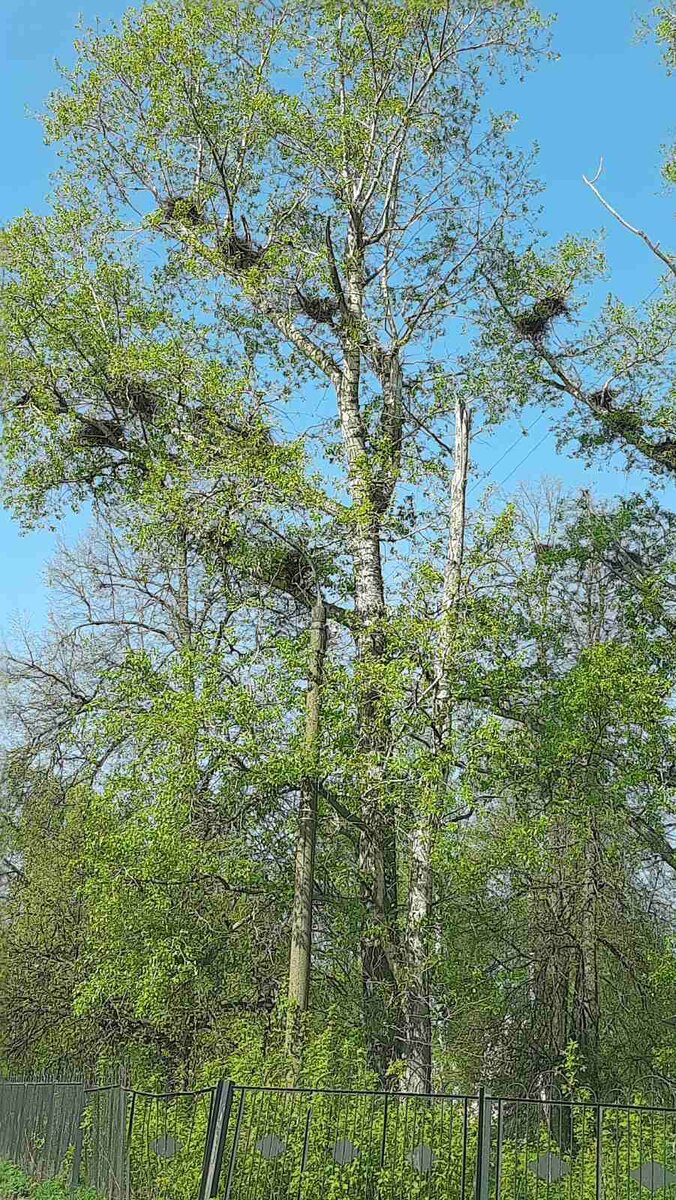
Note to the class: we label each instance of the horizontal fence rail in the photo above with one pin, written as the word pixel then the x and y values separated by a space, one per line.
pixel 255 1143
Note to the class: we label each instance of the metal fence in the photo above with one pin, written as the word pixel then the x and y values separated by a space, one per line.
pixel 256 1143
pixel 320 1145
pixel 39 1122
pixel 115 1140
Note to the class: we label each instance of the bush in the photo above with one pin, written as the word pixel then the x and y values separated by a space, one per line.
pixel 13 1181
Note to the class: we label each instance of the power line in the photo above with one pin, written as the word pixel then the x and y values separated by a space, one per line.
pixel 509 449
pixel 525 457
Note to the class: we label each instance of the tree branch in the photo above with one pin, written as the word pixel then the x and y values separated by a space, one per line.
pixel 654 246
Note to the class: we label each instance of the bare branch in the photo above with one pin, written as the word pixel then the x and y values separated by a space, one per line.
pixel 654 246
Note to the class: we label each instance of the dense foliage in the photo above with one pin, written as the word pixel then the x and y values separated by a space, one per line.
pixel 325 769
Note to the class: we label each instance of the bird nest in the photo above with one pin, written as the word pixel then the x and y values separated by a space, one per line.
pixel 133 395
pixel 536 321
pixel 603 398
pixel 240 253
pixel 321 309
pixel 100 432
pixel 184 209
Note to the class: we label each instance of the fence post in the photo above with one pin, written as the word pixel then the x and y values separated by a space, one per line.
pixel 599 1152
pixel 217 1130
pixel 122 1178
pixel 383 1144
pixel 483 1149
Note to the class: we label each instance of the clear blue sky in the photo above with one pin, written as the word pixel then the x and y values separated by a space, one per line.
pixel 606 95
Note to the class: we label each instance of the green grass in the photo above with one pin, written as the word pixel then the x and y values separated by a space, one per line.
pixel 16 1183
pixel 13 1181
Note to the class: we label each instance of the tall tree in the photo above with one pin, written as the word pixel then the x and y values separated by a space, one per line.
pixel 237 330
pixel 345 217
pixel 432 801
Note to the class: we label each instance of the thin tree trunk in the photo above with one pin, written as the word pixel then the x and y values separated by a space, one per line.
pixel 300 958
pixel 586 1004
pixel 184 624
pixel 418 1015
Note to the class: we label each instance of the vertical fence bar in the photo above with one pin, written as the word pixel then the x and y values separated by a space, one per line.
pixel 209 1139
pixel 79 1136
pixel 123 1156
pixel 599 1152
pixel 306 1142
pixel 465 1136
pixel 383 1142
pixel 235 1145
pixel 483 1149
pixel 498 1154
pixel 217 1132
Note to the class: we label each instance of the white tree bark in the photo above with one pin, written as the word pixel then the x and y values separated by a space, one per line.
pixel 418 1016
pixel 300 957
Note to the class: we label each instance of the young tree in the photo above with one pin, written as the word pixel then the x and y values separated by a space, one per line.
pixel 567 903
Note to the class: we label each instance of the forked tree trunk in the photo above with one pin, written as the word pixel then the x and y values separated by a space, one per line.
pixel 418 1016
pixel 300 958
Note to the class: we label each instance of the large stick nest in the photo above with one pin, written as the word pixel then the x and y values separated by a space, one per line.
pixel 536 321
pixel 321 309
pixel 184 209
pixel 101 432
pixel 240 253
pixel 292 571
pixel 133 395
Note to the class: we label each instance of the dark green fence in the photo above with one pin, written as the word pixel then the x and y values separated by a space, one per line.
pixel 330 1145
pixel 39 1124
pixel 255 1143
pixel 115 1140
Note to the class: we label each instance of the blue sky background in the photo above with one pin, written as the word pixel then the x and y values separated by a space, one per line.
pixel 605 96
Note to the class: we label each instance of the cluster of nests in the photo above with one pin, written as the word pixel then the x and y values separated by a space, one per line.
pixel 127 397
pixel 131 397
pixel 240 250
pixel 535 322
pixel 242 253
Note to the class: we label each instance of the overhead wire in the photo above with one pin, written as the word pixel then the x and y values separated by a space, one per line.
pixel 503 456
pixel 525 458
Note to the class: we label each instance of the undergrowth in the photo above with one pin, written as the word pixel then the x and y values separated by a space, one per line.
pixel 15 1183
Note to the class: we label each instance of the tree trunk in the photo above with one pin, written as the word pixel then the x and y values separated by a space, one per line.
pixel 418 1015
pixel 377 841
pixel 300 958
pixel 371 489
pixel 586 1002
